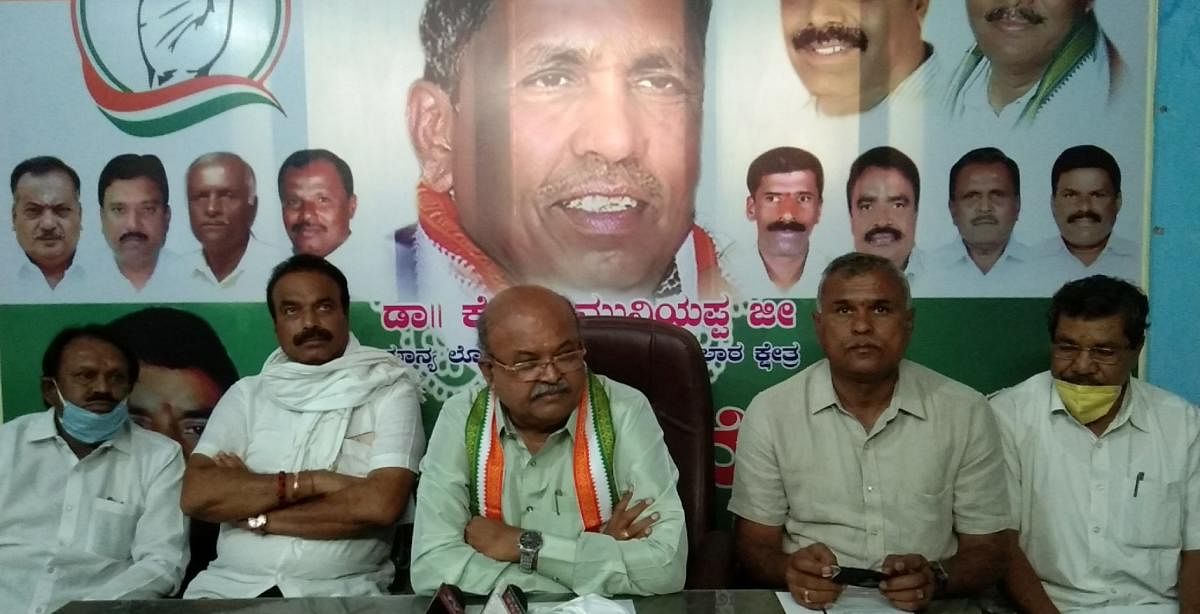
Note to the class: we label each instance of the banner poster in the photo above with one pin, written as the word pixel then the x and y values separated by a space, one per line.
pixel 663 159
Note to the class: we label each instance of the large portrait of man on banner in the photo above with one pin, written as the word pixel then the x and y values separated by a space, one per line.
pixel 558 143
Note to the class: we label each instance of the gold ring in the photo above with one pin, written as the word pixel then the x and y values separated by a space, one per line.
pixel 624 534
pixel 806 597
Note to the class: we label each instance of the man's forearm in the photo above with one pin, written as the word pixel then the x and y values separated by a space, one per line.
pixel 766 565
pixel 1023 585
pixel 363 505
pixel 220 494
pixel 1189 582
pixel 979 565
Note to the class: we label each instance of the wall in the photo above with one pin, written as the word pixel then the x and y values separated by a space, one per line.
pixel 1174 342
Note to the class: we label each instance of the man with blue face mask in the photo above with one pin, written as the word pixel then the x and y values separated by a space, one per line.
pixel 89 503
pixel 1104 469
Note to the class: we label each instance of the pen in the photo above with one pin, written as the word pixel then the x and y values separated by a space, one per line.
pixel 1137 482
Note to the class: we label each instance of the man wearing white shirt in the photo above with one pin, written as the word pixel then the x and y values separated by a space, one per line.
pixel 222 205
pixel 1085 182
pixel 47 219
pixel 985 202
pixel 310 464
pixel 785 187
pixel 89 502
pixel 1104 469
pixel 135 215
pixel 883 194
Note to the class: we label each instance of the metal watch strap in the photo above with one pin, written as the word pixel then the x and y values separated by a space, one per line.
pixel 941 579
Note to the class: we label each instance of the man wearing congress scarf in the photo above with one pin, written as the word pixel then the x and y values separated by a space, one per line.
pixel 310 464
pixel 1104 469
pixel 551 478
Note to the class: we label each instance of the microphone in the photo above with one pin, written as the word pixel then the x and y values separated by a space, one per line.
pixel 511 600
pixel 447 600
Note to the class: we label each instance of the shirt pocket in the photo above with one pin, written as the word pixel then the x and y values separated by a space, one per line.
pixel 111 528
pixel 355 456
pixel 921 520
pixel 1152 519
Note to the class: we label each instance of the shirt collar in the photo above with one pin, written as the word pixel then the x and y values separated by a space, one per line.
pixel 906 397
pixel 43 429
pixel 507 428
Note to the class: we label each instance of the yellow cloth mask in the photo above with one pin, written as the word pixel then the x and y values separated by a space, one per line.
pixel 1087 403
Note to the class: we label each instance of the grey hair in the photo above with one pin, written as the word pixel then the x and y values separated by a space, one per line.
pixel 227 156
pixel 855 264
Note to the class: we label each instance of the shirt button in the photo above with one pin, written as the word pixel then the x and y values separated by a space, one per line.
pixel 532 462
pixel 875 531
pixel 870 489
pixel 1095 529
pixel 50 569
pixel 529 508
pixel 70 508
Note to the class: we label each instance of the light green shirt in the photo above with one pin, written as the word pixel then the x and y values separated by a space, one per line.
pixel 932 466
pixel 539 494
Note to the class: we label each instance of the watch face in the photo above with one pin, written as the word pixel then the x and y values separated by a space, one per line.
pixel 530 540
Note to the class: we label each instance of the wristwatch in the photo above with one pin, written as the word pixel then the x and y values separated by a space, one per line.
pixel 529 543
pixel 257 523
pixel 940 578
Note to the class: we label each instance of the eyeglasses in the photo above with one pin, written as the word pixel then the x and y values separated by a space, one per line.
pixel 1101 354
pixel 529 370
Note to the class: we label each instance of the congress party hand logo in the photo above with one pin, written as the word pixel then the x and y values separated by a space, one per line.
pixel 182 40
pixel 158 66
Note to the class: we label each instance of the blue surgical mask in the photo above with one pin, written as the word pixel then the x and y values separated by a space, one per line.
pixel 90 427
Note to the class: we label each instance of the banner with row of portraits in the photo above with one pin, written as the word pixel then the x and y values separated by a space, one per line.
pixel 689 161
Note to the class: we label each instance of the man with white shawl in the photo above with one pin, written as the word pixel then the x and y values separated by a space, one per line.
pixel 310 464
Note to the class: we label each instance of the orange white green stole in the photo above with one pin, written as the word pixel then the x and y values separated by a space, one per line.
pixel 592 459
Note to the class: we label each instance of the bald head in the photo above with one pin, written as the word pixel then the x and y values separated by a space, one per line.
pixel 527 302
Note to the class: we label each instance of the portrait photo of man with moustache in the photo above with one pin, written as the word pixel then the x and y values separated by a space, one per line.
pixel 785 187
pixel 852 56
pixel 883 194
pixel 1033 58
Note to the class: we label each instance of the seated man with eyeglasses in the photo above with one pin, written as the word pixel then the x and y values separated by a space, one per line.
pixel 1104 469
pixel 551 478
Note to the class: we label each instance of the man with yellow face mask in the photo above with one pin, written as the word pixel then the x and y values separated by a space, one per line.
pixel 1104 469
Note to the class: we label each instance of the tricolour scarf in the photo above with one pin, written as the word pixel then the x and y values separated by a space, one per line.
pixel 438 218
pixel 592 458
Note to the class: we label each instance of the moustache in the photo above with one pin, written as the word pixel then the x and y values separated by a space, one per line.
pixel 313 333
pixel 786 226
pixel 1014 13
pixel 300 227
pixel 628 175
pixel 134 236
pixel 812 35
pixel 874 232
pixel 990 219
pixel 542 389
pixel 1082 215
pixel 101 396
pixel 1080 379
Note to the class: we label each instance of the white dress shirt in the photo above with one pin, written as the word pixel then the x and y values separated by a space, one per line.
pixel 247 282
pixel 950 271
pixel 268 437
pixel 30 286
pixel 1054 264
pixel 1093 542
pixel 107 526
